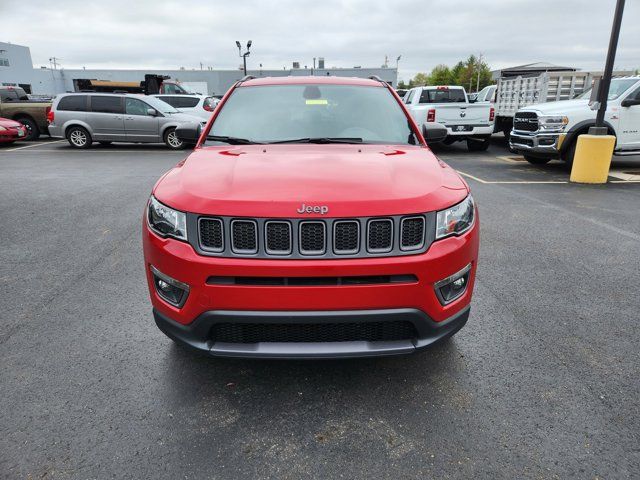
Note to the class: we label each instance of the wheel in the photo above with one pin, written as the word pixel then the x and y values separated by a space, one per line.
pixel 32 128
pixel 78 137
pixel 507 133
pixel 172 141
pixel 536 160
pixel 570 153
pixel 105 142
pixel 478 145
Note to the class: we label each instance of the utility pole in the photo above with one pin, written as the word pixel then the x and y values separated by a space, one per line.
pixel 605 83
pixel 244 55
pixel 55 62
pixel 479 67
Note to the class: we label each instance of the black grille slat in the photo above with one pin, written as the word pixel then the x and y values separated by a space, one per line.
pixel 525 121
pixel 412 236
pixel 380 235
pixel 312 238
pixel 211 234
pixel 278 238
pixel 346 237
pixel 244 236
pixel 312 332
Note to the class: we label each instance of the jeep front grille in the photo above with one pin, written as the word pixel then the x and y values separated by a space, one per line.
pixel 299 238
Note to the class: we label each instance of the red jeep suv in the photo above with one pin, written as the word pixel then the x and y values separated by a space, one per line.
pixel 310 221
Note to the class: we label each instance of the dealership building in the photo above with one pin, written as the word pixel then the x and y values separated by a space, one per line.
pixel 16 69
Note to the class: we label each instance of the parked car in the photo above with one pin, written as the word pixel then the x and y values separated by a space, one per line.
pixel 486 95
pixel 83 118
pixel 531 87
pixel 449 106
pixel 537 129
pixel 199 105
pixel 312 220
pixel 16 105
pixel 10 131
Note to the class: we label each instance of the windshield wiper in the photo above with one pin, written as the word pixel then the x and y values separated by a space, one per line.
pixel 231 140
pixel 322 140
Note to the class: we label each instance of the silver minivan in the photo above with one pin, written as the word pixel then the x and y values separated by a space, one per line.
pixel 83 118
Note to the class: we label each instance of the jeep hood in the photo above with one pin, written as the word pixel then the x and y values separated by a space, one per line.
pixel 275 180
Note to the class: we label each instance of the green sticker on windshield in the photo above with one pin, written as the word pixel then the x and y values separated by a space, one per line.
pixel 317 101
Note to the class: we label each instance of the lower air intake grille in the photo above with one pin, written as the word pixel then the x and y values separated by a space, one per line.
pixel 211 234
pixel 380 235
pixel 244 236
pixel 312 332
pixel 412 233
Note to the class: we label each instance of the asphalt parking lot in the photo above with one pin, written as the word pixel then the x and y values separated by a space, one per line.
pixel 543 382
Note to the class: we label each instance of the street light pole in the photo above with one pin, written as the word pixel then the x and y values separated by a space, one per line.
pixel 605 83
pixel 244 55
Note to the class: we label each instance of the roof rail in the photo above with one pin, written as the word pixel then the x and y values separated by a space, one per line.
pixel 376 78
pixel 245 78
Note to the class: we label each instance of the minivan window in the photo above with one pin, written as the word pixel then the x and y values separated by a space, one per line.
pixel 281 113
pixel 106 104
pixel 187 102
pixel 73 103
pixel 443 95
pixel 133 106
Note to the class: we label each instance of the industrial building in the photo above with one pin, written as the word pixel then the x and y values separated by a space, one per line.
pixel 16 68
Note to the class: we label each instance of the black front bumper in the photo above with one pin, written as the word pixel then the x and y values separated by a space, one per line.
pixel 197 335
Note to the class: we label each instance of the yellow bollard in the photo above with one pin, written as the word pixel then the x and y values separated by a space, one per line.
pixel 592 159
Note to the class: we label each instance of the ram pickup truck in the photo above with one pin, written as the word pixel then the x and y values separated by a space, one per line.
pixel 15 105
pixel 537 129
pixel 450 106
pixel 311 221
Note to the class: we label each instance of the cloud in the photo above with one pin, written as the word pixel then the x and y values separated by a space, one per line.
pixel 173 34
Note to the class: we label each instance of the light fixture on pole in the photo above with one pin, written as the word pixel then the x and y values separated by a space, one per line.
pixel 244 55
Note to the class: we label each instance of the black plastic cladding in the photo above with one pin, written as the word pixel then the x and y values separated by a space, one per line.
pixel 329 252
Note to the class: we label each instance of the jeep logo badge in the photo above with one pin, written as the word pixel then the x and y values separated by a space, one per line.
pixel 321 209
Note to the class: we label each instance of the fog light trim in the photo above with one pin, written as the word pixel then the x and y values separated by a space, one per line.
pixel 438 286
pixel 158 276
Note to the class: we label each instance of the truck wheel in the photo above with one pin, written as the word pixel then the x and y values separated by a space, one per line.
pixel 172 141
pixel 478 145
pixel 569 153
pixel 78 137
pixel 536 160
pixel 32 128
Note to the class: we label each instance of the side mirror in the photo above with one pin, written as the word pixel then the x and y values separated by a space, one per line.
pixel 473 98
pixel 189 133
pixel 630 102
pixel 434 132
pixel 152 112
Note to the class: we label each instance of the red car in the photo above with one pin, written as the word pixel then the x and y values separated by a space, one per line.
pixel 10 130
pixel 311 221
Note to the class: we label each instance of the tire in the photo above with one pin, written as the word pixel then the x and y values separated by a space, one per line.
pixel 171 141
pixel 79 137
pixel 570 153
pixel 506 131
pixel 536 160
pixel 32 128
pixel 479 145
pixel 105 142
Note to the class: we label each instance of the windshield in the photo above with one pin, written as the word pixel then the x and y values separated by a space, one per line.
pixel 280 113
pixel 617 88
pixel 159 105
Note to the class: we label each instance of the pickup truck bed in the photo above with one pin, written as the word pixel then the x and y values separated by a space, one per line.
pixel 15 105
pixel 449 106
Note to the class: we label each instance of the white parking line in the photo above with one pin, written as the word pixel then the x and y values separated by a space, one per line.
pixel 511 182
pixel 34 145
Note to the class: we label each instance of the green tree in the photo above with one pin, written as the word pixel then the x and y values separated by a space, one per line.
pixel 440 75
pixel 419 80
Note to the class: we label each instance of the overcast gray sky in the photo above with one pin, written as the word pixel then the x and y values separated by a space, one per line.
pixel 173 34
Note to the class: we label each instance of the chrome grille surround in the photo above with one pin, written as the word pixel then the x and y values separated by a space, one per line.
pixel 330 250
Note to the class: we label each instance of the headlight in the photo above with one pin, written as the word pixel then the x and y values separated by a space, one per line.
pixel 2 128
pixel 455 220
pixel 166 221
pixel 553 121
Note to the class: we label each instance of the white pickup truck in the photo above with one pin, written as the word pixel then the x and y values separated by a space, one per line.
pixel 450 106
pixel 537 128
